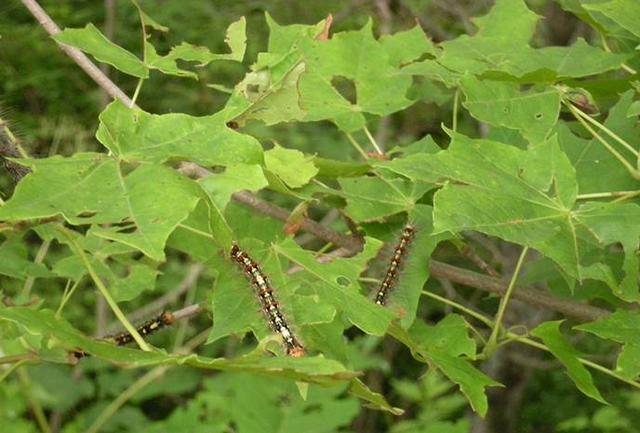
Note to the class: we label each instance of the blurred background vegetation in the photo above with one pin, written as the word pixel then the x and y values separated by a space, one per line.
pixel 54 108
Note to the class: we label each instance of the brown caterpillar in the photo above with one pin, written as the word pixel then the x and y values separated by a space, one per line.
pixel 391 276
pixel 148 327
pixel 268 302
pixel 122 338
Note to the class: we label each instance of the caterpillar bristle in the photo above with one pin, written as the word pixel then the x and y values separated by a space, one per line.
pixel 391 276
pixel 270 306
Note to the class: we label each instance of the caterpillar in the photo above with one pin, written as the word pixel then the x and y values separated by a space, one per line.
pixel 269 304
pixel 166 318
pixel 149 327
pixel 9 149
pixel 391 275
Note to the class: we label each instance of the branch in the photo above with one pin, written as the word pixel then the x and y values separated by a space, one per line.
pixel 78 56
pixel 583 312
pixel 438 269
pixel 530 296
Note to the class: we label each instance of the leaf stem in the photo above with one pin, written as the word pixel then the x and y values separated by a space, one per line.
pixel 493 338
pixel 528 341
pixel 460 307
pixel 28 283
pixel 373 141
pixel 355 144
pixel 36 408
pixel 66 295
pixel 136 93
pixel 196 231
pixel 136 386
pixel 606 130
pixel 456 101
pixel 624 66
pixel 607 194
pixel 632 171
pixel 105 293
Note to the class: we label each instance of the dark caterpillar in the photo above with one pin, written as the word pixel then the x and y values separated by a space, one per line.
pixel 268 302
pixel 122 338
pixel 149 327
pixel 391 276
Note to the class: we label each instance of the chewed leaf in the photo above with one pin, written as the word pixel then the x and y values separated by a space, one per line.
pixel 91 40
pixel 290 165
pixel 91 188
pixel 135 135
pixel 314 369
pixel 550 334
pixel 339 285
pixel 621 326
pixel 521 196
pixel 534 113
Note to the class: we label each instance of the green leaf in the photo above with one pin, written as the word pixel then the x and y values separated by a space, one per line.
pixel 624 12
pixel 372 198
pixel 451 335
pixel 472 381
pixel 236 305
pixel 521 196
pixel 502 45
pixel 508 20
pixel 620 326
pixel 90 188
pixel 407 291
pixel 612 223
pixel 152 220
pixel 356 56
pixel 442 350
pixel 134 135
pixel 549 333
pixel 374 399
pixel 335 168
pixel 91 40
pixel 81 188
pixel 270 93
pixel 14 261
pixel 405 47
pixel 290 165
pixel 597 170
pixel 236 177
pixel 313 369
pixel 533 113
pixel 340 286
pixel 236 39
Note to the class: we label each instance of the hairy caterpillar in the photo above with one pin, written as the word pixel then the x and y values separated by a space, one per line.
pixel 391 276
pixel 270 306
pixel 9 149
pixel 148 327
pixel 166 318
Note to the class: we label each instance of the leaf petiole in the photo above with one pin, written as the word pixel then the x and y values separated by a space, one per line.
pixel 105 292
pixel 632 171
pixel 493 338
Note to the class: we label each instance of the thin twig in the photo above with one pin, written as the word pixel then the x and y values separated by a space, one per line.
pixel 76 55
pixel 493 338
pixel 191 277
pixel 438 269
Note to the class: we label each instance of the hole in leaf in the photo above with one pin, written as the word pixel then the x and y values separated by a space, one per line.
pixel 86 214
pixel 343 281
pixel 345 87
pixel 538 116
pixel 127 229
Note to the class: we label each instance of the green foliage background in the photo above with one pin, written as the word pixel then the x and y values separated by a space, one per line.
pixel 509 140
